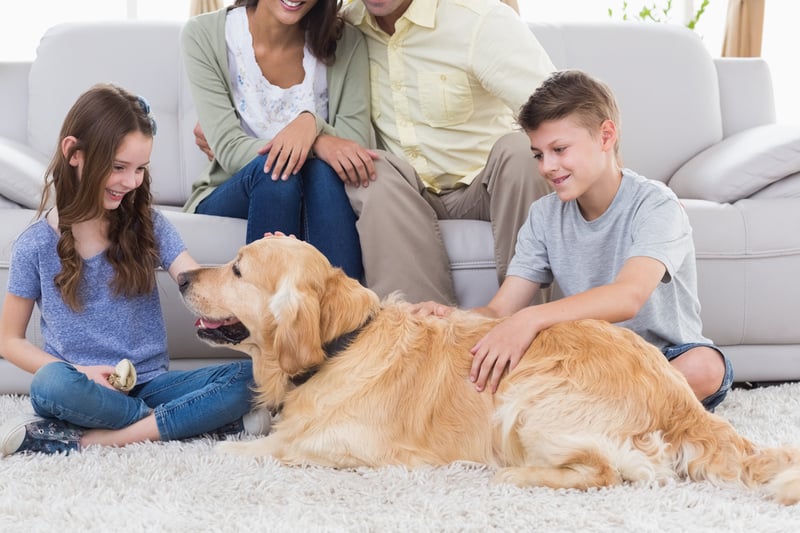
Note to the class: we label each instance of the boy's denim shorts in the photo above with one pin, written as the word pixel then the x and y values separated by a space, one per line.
pixel 671 352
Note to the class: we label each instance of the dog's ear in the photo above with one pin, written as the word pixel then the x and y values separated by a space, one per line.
pixel 297 340
pixel 344 305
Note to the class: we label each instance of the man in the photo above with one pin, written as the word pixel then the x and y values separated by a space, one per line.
pixel 447 77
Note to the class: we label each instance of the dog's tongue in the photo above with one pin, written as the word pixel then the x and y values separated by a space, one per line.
pixel 208 324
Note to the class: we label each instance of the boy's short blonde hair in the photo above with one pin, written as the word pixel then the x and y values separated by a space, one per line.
pixel 574 94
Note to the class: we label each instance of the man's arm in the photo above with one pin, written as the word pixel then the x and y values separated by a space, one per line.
pixel 508 59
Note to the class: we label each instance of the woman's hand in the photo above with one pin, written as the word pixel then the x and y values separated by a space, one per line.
pixel 351 161
pixel 289 149
pixel 502 347
pixel 99 374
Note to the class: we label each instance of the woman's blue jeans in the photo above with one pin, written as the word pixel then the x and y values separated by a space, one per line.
pixel 312 205
pixel 186 403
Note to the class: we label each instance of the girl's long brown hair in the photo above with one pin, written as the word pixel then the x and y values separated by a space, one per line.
pixel 99 120
pixel 322 26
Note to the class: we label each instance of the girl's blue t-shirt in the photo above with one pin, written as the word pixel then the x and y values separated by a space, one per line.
pixel 110 327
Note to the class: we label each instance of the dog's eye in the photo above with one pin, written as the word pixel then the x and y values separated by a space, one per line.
pixel 236 271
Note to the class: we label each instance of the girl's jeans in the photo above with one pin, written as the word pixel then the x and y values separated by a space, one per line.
pixel 186 403
pixel 312 205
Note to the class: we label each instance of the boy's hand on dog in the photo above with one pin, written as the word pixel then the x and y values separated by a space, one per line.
pixel 502 347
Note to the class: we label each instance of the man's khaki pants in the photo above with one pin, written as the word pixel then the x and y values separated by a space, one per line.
pixel 398 226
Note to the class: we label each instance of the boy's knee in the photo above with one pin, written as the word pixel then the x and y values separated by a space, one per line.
pixel 704 369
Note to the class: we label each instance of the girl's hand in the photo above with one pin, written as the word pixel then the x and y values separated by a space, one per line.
pixel 99 374
pixel 289 149
pixel 430 308
pixel 502 347
pixel 279 234
pixel 351 161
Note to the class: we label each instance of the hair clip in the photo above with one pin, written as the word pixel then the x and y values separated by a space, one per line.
pixel 145 105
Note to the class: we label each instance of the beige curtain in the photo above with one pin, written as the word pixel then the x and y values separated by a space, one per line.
pixel 198 7
pixel 743 28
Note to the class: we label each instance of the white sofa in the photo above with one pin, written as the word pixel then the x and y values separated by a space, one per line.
pixel 705 126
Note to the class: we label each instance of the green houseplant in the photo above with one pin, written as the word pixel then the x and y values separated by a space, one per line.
pixel 657 13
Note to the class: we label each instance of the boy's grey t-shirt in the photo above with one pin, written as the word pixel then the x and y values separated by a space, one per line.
pixel 110 327
pixel 644 219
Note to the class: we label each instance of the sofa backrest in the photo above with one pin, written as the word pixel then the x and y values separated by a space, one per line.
pixel 663 77
pixel 142 57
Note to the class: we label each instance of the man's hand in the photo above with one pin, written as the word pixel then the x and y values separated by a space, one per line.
pixel 289 149
pixel 502 347
pixel 351 161
pixel 201 141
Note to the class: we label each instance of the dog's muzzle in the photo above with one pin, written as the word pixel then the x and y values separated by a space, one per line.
pixel 229 334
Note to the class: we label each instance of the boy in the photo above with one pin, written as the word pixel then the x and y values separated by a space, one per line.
pixel 618 245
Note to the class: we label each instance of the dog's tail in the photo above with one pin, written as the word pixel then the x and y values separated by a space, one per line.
pixel 709 448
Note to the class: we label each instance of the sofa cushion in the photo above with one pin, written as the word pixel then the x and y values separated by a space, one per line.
pixel 21 173
pixel 740 165
pixel 788 187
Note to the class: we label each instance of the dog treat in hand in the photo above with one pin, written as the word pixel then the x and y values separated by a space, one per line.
pixel 124 376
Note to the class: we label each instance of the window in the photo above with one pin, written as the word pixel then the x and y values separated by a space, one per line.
pixel 780 18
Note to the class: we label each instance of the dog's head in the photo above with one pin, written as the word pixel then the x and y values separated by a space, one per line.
pixel 279 300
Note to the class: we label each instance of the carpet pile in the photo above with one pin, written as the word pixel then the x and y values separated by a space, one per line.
pixel 186 486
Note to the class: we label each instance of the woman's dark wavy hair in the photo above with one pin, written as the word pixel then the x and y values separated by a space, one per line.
pixel 100 119
pixel 322 26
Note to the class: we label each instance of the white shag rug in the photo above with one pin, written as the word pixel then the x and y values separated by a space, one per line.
pixel 186 486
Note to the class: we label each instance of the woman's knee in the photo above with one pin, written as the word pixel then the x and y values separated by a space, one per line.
pixel 320 180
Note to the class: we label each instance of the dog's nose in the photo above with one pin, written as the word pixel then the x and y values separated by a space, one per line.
pixel 184 279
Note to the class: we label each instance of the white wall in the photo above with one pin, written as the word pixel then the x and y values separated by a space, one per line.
pixel 780 47
pixel 23 22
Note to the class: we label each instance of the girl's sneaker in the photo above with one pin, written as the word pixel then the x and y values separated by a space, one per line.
pixel 256 423
pixel 34 434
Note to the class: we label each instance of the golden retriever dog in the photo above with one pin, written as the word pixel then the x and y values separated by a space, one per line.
pixel 367 383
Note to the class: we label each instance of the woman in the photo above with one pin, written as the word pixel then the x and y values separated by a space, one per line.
pixel 274 82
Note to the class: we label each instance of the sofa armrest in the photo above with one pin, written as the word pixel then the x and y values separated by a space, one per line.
pixel 21 173
pixel 745 93
pixel 14 103
pixel 740 165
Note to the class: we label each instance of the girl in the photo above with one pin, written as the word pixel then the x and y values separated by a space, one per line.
pixel 89 264
pixel 268 92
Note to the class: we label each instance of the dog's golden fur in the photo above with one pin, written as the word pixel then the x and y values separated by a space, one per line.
pixel 589 405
